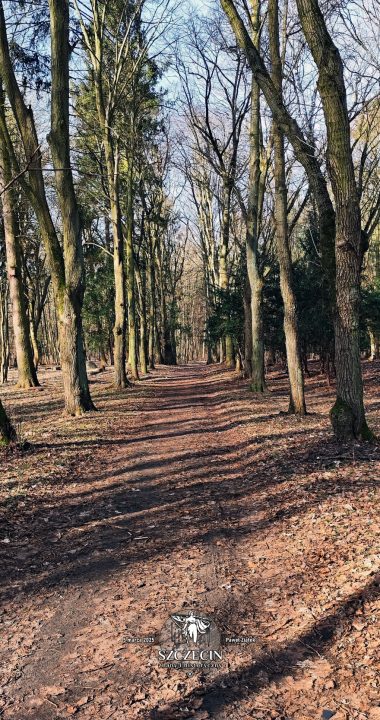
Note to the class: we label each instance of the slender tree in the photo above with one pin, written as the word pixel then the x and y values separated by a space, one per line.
pixel 255 183
pixel 59 140
pixel 216 135
pixel 107 65
pixel 297 396
pixel 66 275
pixel 27 376
pixel 4 324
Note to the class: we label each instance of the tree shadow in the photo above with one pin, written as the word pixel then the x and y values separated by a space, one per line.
pixel 273 664
pixel 88 532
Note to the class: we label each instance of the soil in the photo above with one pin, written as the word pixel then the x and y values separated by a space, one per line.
pixel 189 492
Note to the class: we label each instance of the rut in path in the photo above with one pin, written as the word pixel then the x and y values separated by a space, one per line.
pixel 198 497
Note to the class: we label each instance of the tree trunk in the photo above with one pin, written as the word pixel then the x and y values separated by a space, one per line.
pixel 247 330
pixel 132 339
pixel 4 332
pixel 375 345
pixel 141 283
pixel 120 327
pixel 151 339
pixel 36 306
pixel 269 357
pixel 34 343
pixel 293 354
pixel 158 352
pixel 77 398
pixel 112 166
pixel 223 272
pixel 77 395
pixel 347 415
pixel 143 353
pixel 167 351
pixel 172 332
pixel 258 383
pixel 255 279
pixel 152 315
pixel 27 376
pixel 7 431
pixel 120 319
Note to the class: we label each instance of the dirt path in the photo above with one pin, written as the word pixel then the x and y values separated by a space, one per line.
pixel 195 496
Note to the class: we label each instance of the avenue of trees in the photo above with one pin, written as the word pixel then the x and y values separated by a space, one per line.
pixel 182 183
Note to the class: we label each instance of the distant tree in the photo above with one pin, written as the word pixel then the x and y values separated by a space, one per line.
pixel 216 104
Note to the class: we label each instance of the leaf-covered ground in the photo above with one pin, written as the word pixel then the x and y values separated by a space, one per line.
pixel 187 491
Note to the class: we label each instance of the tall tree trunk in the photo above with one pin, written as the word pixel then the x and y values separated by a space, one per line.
pixel 152 302
pixel 120 327
pixel 293 354
pixel 223 271
pixel 67 299
pixel 120 356
pixel 141 284
pixel 258 383
pixel 143 352
pixel 113 183
pixel 347 415
pixel 112 164
pixel 27 376
pixel 172 331
pixel 252 232
pixel 4 332
pixel 73 363
pixel 158 352
pixel 151 341
pixel 247 329
pixel 131 283
pixel 167 351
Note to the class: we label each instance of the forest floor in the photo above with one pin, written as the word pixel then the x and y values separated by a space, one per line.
pixel 187 491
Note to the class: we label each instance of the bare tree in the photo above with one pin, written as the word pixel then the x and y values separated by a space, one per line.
pixel 68 288
pixel 297 396
pixel 217 72
pixel 347 415
pixel 27 376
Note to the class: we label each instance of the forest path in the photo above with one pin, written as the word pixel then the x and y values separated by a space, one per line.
pixel 194 495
